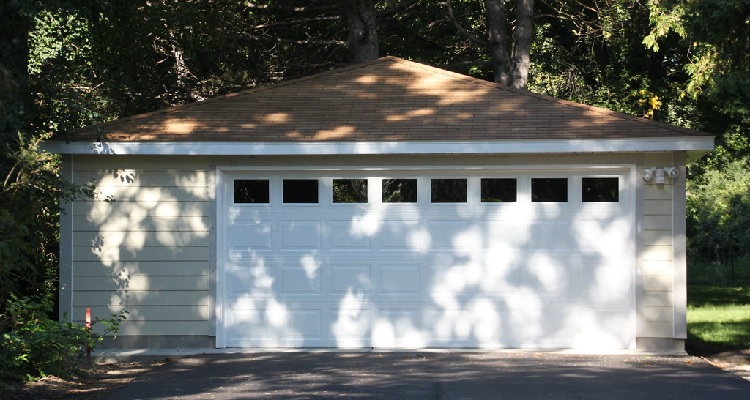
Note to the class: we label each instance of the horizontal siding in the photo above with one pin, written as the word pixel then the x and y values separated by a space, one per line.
pixel 662 207
pixel 137 239
pixel 137 298
pixel 658 283
pixel 177 328
pixel 658 267
pixel 657 222
pixel 141 283
pixel 143 178
pixel 100 211
pixel 657 237
pixel 659 329
pixel 146 248
pixel 657 252
pixel 156 268
pixel 125 223
pixel 663 314
pixel 123 253
pixel 150 313
pixel 656 257
pixel 657 299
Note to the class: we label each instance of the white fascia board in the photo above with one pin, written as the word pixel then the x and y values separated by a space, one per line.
pixel 501 146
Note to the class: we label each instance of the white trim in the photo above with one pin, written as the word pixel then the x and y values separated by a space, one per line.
pixel 65 283
pixel 219 280
pixel 679 255
pixel 631 190
pixel 500 146
pixel 453 169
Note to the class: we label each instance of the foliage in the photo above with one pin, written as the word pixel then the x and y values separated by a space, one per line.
pixel 70 63
pixel 30 192
pixel 719 215
pixel 36 346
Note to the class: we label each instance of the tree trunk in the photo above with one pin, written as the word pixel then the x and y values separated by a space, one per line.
pixel 363 31
pixel 524 33
pixel 499 44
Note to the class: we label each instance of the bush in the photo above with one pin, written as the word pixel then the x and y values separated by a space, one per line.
pixel 37 346
pixel 718 216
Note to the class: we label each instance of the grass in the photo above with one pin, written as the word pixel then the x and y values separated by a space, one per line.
pixel 718 319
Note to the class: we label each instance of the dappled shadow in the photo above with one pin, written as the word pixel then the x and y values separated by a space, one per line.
pixel 522 278
pixel 385 100
pixel 434 375
pixel 142 246
pixel 533 275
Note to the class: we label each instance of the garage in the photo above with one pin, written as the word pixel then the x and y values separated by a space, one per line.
pixel 388 205
pixel 416 258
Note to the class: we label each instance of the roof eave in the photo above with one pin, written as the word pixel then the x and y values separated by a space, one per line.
pixel 693 144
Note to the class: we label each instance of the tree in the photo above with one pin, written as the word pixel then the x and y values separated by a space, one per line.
pixel 363 30
pixel 509 54
pixel 715 36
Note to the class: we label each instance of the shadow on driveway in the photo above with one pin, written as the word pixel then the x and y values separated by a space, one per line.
pixel 430 375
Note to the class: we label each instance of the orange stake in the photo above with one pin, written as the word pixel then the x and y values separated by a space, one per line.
pixel 88 327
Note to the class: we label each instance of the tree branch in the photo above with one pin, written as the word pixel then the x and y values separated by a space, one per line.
pixel 452 19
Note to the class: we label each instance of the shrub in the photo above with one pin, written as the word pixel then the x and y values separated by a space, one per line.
pixel 36 346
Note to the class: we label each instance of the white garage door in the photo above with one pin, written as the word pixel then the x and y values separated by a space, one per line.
pixel 414 259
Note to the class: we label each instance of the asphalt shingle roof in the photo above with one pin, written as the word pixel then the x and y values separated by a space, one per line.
pixel 389 99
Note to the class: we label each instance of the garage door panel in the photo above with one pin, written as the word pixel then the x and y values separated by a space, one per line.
pixel 301 235
pixel 403 235
pixel 412 275
pixel 604 237
pixel 277 326
pixel 454 235
pixel 551 235
pixel 399 279
pixel 399 328
pixel 296 280
pixel 345 237
pixel 351 279
pixel 508 233
pixel 251 235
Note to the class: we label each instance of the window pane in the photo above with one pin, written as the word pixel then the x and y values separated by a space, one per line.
pixel 600 190
pixel 549 189
pixel 448 191
pixel 399 190
pixel 251 191
pixel 498 190
pixel 300 190
pixel 350 190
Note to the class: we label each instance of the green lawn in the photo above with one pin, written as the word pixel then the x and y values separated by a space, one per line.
pixel 718 318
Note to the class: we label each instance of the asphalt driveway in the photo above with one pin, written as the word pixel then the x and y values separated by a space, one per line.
pixel 434 375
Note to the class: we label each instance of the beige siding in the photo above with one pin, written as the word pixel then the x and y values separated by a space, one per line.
pixel 142 244
pixel 656 254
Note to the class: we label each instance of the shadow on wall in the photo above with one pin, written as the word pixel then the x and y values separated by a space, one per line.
pixel 142 246
pixel 523 274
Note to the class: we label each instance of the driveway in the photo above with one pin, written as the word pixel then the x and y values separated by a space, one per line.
pixel 434 375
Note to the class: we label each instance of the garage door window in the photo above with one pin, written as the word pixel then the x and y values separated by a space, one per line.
pixel 300 190
pixel 399 190
pixel 600 190
pixel 498 190
pixel 249 191
pixel 549 190
pixel 350 190
pixel 448 191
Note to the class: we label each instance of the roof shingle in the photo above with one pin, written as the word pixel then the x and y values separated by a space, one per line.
pixel 388 99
